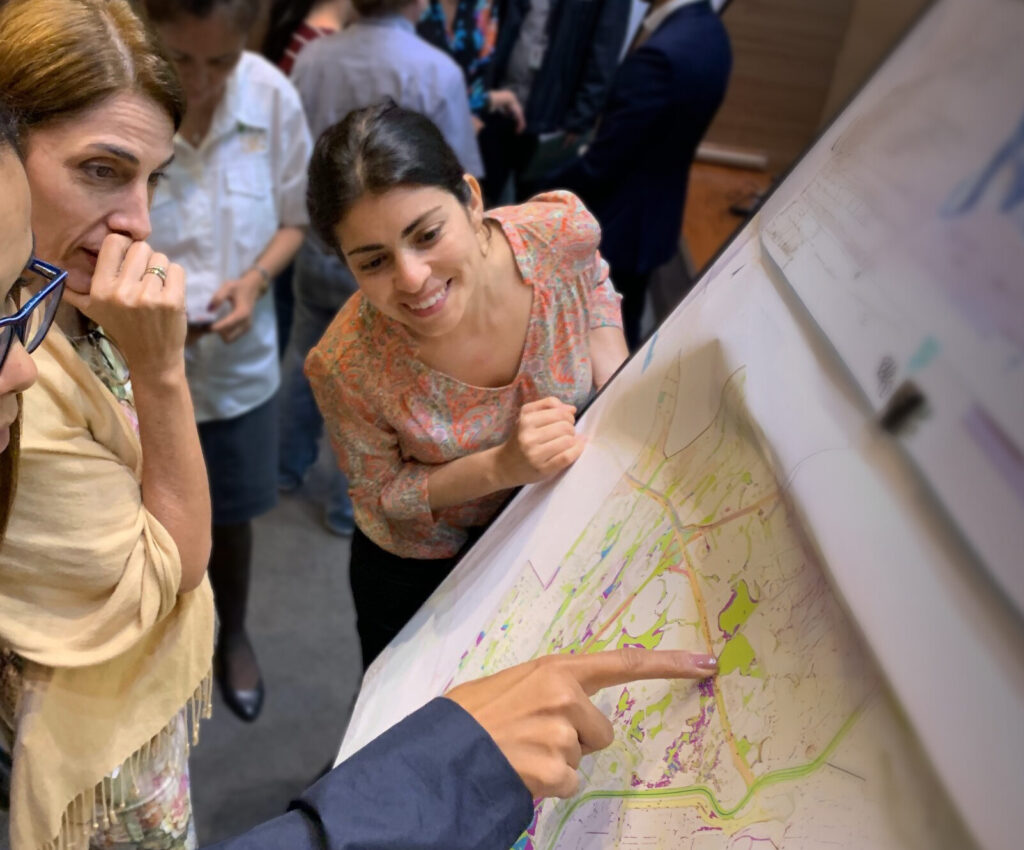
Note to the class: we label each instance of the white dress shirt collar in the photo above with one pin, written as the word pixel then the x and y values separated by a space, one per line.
pixel 657 17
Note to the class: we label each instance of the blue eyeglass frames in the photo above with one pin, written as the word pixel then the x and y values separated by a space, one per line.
pixel 32 321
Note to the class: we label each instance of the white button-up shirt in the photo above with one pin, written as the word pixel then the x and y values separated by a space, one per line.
pixel 215 213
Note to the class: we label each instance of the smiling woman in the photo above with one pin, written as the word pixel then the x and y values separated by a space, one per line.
pixel 103 595
pixel 455 373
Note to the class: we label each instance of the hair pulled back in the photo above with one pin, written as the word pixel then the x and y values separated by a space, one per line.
pixel 8 131
pixel 371 151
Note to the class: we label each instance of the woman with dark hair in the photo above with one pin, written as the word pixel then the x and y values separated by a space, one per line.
pixel 232 211
pixel 106 617
pixel 453 374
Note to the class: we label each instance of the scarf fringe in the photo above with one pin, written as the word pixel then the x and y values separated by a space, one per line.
pixel 99 806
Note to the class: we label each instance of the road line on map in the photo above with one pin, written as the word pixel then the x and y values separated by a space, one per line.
pixel 784 774
pixel 679 529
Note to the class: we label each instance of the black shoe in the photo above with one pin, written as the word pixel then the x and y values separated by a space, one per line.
pixel 246 704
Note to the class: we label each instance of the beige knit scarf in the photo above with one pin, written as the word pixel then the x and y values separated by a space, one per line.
pixel 89 599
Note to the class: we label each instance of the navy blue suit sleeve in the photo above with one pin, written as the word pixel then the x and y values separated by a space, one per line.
pixel 602 60
pixel 436 780
pixel 642 89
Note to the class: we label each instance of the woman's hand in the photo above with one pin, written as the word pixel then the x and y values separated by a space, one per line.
pixel 540 714
pixel 242 294
pixel 506 102
pixel 544 444
pixel 142 313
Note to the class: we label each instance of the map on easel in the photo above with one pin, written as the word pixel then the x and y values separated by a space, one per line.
pixel 796 743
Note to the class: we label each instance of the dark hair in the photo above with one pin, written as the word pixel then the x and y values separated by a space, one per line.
pixel 59 58
pixel 373 150
pixel 9 458
pixel 285 17
pixel 8 131
pixel 243 12
pixel 379 8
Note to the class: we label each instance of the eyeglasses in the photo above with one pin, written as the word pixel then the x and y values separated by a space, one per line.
pixel 32 321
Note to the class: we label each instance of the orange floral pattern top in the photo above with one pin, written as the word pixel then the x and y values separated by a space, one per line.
pixel 391 418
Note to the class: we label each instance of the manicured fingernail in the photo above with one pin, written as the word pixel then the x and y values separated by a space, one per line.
pixel 705 662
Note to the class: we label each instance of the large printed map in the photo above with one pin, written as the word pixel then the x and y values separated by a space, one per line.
pixel 743 482
pixel 795 744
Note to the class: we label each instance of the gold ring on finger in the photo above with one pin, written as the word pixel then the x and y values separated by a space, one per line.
pixel 159 271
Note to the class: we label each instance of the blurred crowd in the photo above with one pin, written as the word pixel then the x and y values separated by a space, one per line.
pixel 425 227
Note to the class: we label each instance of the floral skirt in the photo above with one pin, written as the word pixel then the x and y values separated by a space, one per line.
pixel 157 810
pixel 152 808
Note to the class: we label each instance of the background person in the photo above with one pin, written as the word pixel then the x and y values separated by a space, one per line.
pixel 377 57
pixel 232 212
pixel 467 30
pixel 104 600
pixel 295 23
pixel 453 374
pixel 558 57
pixel 634 175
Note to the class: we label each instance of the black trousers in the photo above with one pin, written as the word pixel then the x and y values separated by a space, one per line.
pixel 505 153
pixel 633 288
pixel 388 590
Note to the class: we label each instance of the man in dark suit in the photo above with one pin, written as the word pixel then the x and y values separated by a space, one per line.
pixel 462 772
pixel 633 176
pixel 558 57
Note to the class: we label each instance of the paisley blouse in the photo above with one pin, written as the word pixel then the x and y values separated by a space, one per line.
pixel 391 418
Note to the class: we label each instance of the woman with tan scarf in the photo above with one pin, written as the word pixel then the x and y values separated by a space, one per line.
pixel 106 617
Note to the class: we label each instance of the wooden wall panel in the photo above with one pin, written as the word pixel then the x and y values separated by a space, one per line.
pixel 875 27
pixel 784 55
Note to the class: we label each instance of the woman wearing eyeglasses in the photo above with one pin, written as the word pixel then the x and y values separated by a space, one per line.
pixel 22 325
pixel 105 612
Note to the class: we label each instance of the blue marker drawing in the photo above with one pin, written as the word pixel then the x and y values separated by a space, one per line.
pixel 650 351
pixel 965 197
pixel 928 351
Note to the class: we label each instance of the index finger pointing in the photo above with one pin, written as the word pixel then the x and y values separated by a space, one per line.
pixel 619 666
